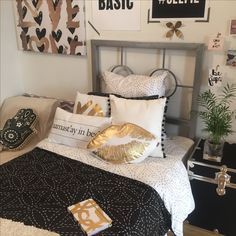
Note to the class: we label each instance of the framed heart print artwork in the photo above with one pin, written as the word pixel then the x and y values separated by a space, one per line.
pixel 51 26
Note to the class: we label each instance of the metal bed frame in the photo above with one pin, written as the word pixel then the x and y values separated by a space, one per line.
pixel 189 125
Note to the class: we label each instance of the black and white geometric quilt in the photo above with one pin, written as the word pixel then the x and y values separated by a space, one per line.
pixel 37 188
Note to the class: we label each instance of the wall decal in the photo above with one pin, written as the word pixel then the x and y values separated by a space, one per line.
pixel 116 14
pixel 216 43
pixel 233 27
pixel 178 9
pixel 174 29
pixel 51 26
pixel 231 58
pixel 215 77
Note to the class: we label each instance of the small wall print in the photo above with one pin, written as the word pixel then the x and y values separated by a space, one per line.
pixel 51 26
pixel 231 58
pixel 116 14
pixel 233 27
pixel 216 43
pixel 215 77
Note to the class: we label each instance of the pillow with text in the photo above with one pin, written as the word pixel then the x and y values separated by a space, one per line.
pixel 76 130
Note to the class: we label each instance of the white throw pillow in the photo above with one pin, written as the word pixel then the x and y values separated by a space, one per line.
pixel 91 105
pixel 147 114
pixel 134 85
pixel 76 130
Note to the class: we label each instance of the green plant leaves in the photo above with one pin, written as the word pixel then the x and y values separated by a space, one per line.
pixel 216 114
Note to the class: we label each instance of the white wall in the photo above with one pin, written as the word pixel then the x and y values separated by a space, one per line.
pixel 10 69
pixel 61 76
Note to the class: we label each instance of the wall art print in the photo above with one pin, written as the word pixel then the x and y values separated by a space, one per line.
pixel 168 10
pixel 215 77
pixel 216 43
pixel 233 28
pixel 231 58
pixel 51 26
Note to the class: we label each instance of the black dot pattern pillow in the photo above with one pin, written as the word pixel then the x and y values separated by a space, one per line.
pixel 18 130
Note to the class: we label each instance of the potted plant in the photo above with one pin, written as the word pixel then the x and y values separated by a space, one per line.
pixel 217 117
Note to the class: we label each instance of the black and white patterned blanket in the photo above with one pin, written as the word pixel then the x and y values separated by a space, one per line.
pixel 37 188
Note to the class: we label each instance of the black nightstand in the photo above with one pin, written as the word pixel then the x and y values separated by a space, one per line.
pixel 214 210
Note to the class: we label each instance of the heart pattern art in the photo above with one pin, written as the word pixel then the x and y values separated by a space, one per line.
pixel 51 26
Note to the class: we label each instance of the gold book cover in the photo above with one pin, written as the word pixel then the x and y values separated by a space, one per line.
pixel 90 216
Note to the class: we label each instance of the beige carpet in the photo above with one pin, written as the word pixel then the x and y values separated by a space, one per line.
pixel 11 228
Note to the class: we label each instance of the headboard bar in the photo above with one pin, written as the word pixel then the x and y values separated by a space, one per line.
pixel 196 85
pixel 164 58
pixel 196 47
pixel 122 56
pixel 136 44
pixel 184 86
pixel 177 121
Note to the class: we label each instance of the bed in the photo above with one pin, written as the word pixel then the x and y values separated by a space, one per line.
pixel 146 198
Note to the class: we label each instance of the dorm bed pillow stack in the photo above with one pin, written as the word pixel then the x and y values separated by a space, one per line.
pixel 117 129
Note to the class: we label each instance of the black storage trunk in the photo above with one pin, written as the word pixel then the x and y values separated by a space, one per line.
pixel 213 211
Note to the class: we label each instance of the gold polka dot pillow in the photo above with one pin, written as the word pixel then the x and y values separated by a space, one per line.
pixel 126 143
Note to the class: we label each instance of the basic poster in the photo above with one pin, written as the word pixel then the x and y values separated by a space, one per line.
pixel 116 14
pixel 178 9
pixel 49 26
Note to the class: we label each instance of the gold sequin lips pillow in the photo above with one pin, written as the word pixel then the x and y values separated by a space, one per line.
pixel 127 143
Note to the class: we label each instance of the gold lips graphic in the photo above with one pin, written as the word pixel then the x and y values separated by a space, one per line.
pixel 121 153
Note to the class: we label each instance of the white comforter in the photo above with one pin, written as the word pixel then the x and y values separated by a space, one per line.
pixel 167 176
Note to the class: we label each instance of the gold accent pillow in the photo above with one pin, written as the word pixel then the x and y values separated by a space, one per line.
pixel 127 143
pixel 91 105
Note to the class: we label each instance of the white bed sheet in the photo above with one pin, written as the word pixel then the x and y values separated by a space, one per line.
pixel 167 176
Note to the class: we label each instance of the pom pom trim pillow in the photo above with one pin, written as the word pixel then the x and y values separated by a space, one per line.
pixel 75 130
pixel 127 143
pixel 18 130
pixel 148 114
pixel 91 105
pixel 134 85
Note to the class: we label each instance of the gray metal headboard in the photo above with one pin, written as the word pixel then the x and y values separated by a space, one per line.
pixel 189 125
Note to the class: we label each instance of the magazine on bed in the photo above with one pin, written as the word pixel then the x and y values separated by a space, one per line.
pixel 90 216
